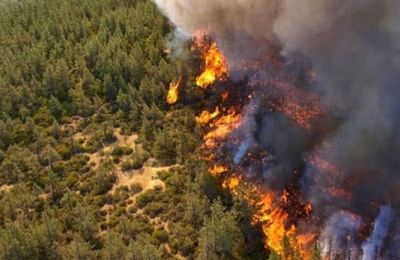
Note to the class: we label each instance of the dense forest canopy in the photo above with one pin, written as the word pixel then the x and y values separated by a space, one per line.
pixel 93 162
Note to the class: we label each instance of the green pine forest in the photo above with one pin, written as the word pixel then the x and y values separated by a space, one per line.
pixel 94 164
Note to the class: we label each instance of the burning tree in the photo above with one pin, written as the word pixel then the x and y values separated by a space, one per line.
pixel 301 119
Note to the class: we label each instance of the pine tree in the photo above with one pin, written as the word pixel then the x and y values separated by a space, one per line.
pixel 220 236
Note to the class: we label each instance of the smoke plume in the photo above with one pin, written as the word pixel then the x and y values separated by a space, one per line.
pixel 346 53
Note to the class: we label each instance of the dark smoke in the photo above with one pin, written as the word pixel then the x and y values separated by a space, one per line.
pixel 353 49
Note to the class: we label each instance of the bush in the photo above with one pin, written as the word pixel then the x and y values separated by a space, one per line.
pixel 64 151
pixel 113 222
pixel 183 239
pixel 133 209
pixel 116 160
pixel 154 209
pixel 137 160
pixel 158 188
pixel 145 198
pixel 127 166
pixel 58 167
pixel 121 151
pixel 101 200
pixel 120 211
pixel 136 188
pixel 161 236
pixel 124 188
pixel 92 145
pixel 77 164
pixel 109 137
pixel 2 156
pixel 72 180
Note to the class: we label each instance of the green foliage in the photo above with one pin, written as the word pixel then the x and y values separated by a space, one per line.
pixel 161 235
pixel 71 72
pixel 316 252
pixel 120 151
pixel 154 209
pixel 145 198
pixel 184 239
pixel 142 249
pixel 136 161
pixel 220 237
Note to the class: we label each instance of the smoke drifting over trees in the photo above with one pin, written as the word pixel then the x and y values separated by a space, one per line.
pixel 353 48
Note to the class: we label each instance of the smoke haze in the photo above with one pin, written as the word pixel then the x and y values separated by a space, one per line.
pixel 353 48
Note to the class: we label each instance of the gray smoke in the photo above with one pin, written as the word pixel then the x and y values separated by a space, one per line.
pixel 373 246
pixel 354 50
pixel 234 23
pixel 338 236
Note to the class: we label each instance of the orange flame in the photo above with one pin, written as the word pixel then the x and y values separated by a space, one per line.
pixel 205 117
pixel 273 219
pixel 221 128
pixel 215 67
pixel 173 92
pixel 217 170
pixel 270 209
pixel 231 183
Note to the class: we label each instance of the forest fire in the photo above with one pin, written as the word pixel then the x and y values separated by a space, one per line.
pixel 173 92
pixel 221 128
pixel 215 67
pixel 206 116
pixel 217 170
pixel 299 106
pixel 221 123
pixel 273 219
pixel 294 127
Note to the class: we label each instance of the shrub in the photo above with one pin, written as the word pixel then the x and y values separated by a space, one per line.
pixel 154 209
pixel 133 209
pixel 136 188
pixel 58 167
pixel 120 211
pixel 116 160
pixel 64 151
pixel 113 222
pixel 2 156
pixel 160 235
pixel 121 151
pixel 72 180
pixel 145 198
pixel 127 166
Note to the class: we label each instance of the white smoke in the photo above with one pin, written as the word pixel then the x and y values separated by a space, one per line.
pixel 222 16
pixel 337 238
pixel 372 248
pixel 233 22
pixel 354 49
pixel 247 132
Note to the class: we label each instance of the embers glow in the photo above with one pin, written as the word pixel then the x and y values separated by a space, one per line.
pixel 299 106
